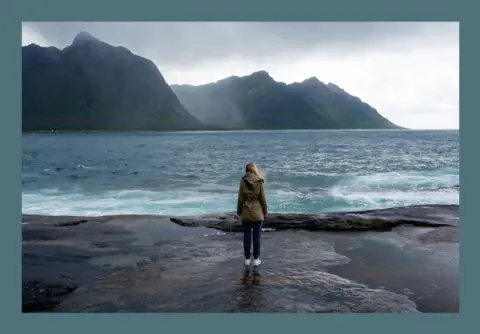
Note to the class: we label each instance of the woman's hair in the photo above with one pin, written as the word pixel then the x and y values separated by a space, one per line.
pixel 252 168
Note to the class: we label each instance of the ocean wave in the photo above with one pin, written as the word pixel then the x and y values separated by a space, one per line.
pixel 411 180
pixel 86 167
pixel 390 189
pixel 179 174
pixel 56 202
pixel 200 201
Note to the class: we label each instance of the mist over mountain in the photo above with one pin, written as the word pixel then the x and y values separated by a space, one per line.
pixel 257 101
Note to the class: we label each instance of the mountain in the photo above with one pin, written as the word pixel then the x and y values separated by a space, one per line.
pixel 338 108
pixel 257 101
pixel 251 102
pixel 91 85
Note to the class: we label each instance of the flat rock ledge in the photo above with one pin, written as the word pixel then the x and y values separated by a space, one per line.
pixel 58 251
pixel 373 220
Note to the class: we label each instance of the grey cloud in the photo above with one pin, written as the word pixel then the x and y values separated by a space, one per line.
pixel 179 44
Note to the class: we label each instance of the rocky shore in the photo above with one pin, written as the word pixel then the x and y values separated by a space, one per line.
pixel 395 260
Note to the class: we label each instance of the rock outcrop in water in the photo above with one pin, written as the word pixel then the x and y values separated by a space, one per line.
pixel 257 101
pixel 91 85
pixel 377 220
pixel 150 264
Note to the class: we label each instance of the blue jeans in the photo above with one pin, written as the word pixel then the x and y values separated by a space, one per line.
pixel 247 238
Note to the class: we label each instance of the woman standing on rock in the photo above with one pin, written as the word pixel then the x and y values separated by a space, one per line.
pixel 252 210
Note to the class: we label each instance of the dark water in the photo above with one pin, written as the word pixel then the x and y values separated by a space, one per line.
pixel 198 173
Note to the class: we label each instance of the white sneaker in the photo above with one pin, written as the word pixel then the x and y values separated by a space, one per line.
pixel 247 262
pixel 256 262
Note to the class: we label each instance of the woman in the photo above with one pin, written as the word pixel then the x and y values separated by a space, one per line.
pixel 252 210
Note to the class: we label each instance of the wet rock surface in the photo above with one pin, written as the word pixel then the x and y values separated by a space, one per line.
pixel 395 260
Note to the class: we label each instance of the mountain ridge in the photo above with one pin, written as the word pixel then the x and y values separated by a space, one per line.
pixel 313 104
pixel 91 85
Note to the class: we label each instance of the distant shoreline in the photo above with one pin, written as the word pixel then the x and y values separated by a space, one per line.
pixel 218 130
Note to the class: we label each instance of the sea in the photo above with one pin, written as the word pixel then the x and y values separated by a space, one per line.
pixel 195 173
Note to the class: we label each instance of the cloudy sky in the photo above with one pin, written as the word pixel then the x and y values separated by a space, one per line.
pixel 408 71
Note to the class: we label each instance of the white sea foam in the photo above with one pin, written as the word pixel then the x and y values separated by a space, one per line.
pixel 53 202
pixel 353 192
pixel 86 167
pixel 401 180
pixel 342 197
pixel 380 190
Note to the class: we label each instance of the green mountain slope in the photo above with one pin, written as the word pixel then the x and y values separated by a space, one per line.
pixel 91 85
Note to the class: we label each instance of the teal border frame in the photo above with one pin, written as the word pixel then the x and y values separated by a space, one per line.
pixel 217 10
